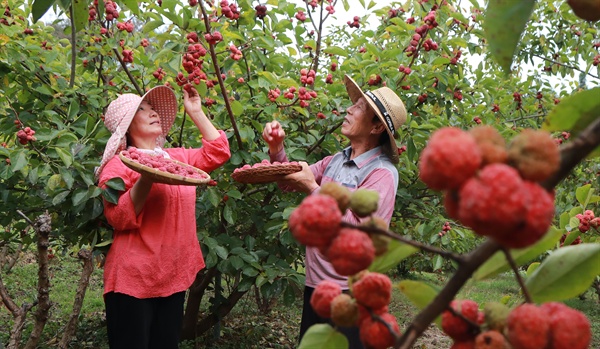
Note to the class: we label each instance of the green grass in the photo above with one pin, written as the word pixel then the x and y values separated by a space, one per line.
pixel 246 326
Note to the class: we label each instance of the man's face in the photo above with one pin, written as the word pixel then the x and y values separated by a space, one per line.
pixel 145 123
pixel 358 121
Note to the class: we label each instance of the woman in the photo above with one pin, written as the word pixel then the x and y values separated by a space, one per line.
pixel 155 254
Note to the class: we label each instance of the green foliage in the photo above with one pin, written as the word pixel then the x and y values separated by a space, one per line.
pixel 323 336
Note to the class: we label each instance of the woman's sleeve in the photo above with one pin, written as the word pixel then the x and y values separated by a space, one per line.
pixel 121 216
pixel 212 154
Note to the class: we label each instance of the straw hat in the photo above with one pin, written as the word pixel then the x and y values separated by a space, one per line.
pixel 121 111
pixel 387 106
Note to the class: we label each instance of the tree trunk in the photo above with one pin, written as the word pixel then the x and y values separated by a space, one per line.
pixel 195 295
pixel 209 321
pixel 84 281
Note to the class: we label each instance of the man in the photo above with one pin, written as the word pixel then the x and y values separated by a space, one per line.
pixel 369 162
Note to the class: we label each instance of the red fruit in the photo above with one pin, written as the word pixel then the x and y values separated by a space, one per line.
pixel 322 297
pixel 449 159
pixel 351 251
pixel 493 202
pixel 539 212
pixel 344 311
pixel 491 144
pixel 463 345
pixel 373 290
pixel 586 9
pixel 316 221
pixel 569 328
pixel 534 154
pixel 364 313
pixel 528 327
pixel 491 340
pixel 457 328
pixel 376 335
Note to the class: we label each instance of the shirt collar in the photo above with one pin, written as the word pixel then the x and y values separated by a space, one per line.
pixel 363 158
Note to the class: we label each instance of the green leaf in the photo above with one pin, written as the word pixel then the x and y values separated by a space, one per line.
pixel 18 161
pixel 323 336
pixel 80 20
pixel 583 194
pixel 111 195
pixel 573 235
pixel 116 183
pixel 420 294
pixel 65 156
pixel 80 197
pixel 151 26
pixel 336 51
pixel 566 273
pixel 498 264
pixel 575 112
pixel 221 252
pixel 503 25
pixel 396 252
pixel 532 267
pixel 132 5
pixel 40 7
pixel 60 197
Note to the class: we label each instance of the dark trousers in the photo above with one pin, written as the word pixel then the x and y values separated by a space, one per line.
pixel 309 318
pixel 152 323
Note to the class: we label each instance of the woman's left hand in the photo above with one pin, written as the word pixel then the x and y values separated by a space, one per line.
pixel 192 102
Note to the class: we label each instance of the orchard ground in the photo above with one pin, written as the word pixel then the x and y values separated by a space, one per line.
pixel 247 326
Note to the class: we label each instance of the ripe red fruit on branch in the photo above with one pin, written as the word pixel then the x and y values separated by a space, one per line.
pixel 569 328
pixel 322 297
pixel 373 290
pixel 344 311
pixel 534 154
pixel 316 221
pixel 376 335
pixel 528 327
pixel 350 252
pixel 457 328
pixel 449 159
pixel 491 144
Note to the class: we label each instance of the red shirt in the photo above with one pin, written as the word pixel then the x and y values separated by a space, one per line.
pixel 157 253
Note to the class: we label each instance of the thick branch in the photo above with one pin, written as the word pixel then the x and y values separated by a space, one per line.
pixel 574 152
pixel 215 61
pixel 515 269
pixel 131 78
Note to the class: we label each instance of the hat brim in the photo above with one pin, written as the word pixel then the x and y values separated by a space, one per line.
pixel 355 93
pixel 164 102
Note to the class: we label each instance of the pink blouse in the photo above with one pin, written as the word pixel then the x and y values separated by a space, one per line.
pixel 157 253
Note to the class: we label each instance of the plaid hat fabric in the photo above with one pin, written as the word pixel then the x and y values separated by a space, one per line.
pixel 122 110
pixel 387 106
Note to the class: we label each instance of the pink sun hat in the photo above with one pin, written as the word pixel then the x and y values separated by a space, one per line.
pixel 121 111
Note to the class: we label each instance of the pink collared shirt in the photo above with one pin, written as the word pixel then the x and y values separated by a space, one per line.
pixel 372 170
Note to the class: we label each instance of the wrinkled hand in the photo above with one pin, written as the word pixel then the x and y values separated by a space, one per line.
pixel 274 135
pixel 192 102
pixel 302 181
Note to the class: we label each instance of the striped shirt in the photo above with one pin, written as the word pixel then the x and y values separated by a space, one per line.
pixel 371 170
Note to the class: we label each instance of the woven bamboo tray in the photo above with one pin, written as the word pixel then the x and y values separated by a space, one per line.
pixel 159 176
pixel 265 173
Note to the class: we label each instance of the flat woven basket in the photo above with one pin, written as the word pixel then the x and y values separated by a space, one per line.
pixel 265 174
pixel 159 176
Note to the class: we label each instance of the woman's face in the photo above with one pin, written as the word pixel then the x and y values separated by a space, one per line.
pixel 145 124
pixel 358 121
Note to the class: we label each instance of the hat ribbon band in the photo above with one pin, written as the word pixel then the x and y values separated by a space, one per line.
pixel 382 110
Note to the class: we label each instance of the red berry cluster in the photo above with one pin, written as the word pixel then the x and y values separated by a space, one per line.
pixel 213 38
pixel 192 3
pixel 405 70
pixel 110 10
pixel 307 77
pixel 144 42
pixel 518 99
pixel 125 26
pixel 596 60
pixel 401 150
pixel 355 22
pixel 321 116
pixel 192 63
pixel 495 108
pixel 159 74
pixel 393 13
pixel 92 13
pixel 374 80
pixel 329 8
pixel 163 164
pixel 261 11
pixel 445 229
pixel 587 220
pixel 127 56
pixel 26 135
pixel 563 137
pixel 333 66
pixel 229 10
pixel 274 94
pixel 301 16
pixel 477 120
pixel 367 307
pixel 422 97
pixel 492 188
pixel 458 95
pixel 236 54
pixel 551 325
pixel 263 163
pixel 329 79
pixel 305 95
pixel 457 55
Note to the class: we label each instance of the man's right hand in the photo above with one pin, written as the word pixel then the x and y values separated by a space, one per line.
pixel 274 135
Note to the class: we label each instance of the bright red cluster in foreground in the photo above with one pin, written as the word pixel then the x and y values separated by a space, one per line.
pixel 163 164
